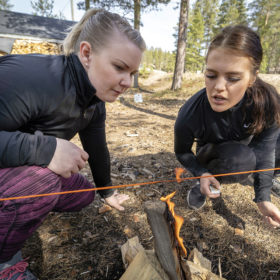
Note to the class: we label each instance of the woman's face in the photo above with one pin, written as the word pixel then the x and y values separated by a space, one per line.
pixel 111 69
pixel 227 77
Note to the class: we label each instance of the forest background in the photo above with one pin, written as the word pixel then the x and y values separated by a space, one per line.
pixel 204 19
pixel 207 17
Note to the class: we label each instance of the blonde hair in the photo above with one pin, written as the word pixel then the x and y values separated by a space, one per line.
pixel 96 27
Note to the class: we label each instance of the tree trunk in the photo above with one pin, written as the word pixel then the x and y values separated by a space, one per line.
pixel 72 10
pixel 181 45
pixel 87 4
pixel 137 10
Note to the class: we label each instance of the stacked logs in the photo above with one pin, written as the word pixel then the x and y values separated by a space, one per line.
pixel 29 46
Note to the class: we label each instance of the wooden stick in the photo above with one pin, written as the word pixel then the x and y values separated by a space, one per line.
pixel 164 242
pixel 220 268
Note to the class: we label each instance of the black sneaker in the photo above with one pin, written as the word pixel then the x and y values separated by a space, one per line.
pixel 275 187
pixel 195 199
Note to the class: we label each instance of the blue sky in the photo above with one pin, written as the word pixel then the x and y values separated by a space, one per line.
pixel 157 29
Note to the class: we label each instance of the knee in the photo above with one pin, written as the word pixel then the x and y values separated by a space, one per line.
pixel 236 156
pixel 29 180
pixel 233 157
pixel 76 181
pixel 32 171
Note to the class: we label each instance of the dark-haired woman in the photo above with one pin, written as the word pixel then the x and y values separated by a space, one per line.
pixel 235 121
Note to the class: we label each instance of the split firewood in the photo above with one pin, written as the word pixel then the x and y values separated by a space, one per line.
pixel 145 266
pixel 197 258
pixel 198 272
pixel 164 241
pixel 130 249
pixel 22 46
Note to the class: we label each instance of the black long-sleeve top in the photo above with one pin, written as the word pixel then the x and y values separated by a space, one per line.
pixel 47 97
pixel 197 121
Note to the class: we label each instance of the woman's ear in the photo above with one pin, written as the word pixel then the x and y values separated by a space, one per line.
pixel 253 78
pixel 85 51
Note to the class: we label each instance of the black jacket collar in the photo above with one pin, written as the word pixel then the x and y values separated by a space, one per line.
pixel 85 91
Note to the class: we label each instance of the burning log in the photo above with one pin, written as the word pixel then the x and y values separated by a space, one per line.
pixel 166 245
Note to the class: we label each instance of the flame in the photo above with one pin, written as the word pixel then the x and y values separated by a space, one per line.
pixel 178 220
pixel 179 171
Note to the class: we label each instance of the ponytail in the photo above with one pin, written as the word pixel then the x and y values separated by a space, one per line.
pixel 69 43
pixel 266 105
pixel 97 27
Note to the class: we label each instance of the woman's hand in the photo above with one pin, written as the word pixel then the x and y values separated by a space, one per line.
pixel 116 199
pixel 270 212
pixel 67 159
pixel 205 185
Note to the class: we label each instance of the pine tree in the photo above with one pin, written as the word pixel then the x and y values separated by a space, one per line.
pixel 181 45
pixel 266 20
pixel 43 8
pixel 242 12
pixel 228 14
pixel 209 13
pixel 148 58
pixel 194 56
pixel 5 5
pixel 158 59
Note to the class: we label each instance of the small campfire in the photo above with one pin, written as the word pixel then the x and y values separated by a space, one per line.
pixel 168 260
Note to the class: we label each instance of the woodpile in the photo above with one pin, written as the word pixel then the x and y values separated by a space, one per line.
pixel 30 46
pixel 166 261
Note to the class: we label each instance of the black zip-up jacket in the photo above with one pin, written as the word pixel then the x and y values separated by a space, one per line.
pixel 197 121
pixel 47 97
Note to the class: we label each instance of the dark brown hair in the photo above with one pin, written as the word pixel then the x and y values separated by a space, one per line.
pixel 263 96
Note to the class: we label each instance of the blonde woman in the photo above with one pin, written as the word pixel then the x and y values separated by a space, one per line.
pixel 44 102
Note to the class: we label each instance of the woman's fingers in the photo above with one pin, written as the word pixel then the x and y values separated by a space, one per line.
pixel 66 174
pixel 116 200
pixel 67 159
pixel 81 164
pixel 207 183
pixel 270 213
pixel 84 155
pixel 213 195
pixel 122 198
pixel 271 222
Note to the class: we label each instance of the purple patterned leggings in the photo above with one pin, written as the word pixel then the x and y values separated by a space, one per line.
pixel 21 217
